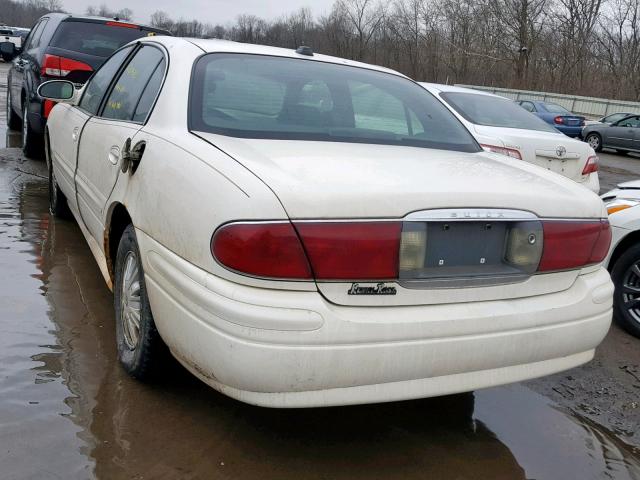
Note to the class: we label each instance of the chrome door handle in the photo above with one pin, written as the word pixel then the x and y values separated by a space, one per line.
pixel 114 155
pixel 74 135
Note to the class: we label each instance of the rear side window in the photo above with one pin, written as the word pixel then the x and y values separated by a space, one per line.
pixel 36 33
pixel 528 106
pixel 150 93
pixel 494 112
pixel 259 96
pixel 127 91
pixel 97 39
pixel 100 81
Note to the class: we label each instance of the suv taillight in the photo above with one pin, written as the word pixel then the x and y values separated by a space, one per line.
pixel 376 250
pixel 56 66
pixel 558 120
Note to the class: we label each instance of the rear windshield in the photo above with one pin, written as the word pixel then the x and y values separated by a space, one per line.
pixel 494 111
pixel 555 108
pixel 258 96
pixel 98 39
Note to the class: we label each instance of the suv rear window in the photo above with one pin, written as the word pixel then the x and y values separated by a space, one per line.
pixel 91 38
pixel 259 96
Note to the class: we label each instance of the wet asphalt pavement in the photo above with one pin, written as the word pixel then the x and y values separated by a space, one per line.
pixel 67 409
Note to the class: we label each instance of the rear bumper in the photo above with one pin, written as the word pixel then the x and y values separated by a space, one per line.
pixel 592 182
pixel 294 349
pixel 570 131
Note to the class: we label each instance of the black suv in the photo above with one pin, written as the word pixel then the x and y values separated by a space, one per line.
pixel 59 46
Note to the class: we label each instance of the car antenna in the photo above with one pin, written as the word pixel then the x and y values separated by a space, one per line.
pixel 304 50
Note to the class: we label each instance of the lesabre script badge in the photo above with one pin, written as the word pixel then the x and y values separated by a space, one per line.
pixel 378 289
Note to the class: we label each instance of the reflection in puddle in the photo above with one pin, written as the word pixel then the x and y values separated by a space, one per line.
pixel 63 395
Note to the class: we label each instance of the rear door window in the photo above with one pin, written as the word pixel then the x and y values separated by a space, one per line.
pixel 36 33
pixel 145 104
pixel 100 81
pixel 528 106
pixel 92 38
pixel 127 91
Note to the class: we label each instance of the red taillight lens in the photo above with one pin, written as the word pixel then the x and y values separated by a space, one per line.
pixel 558 120
pixel 121 24
pixel 591 166
pixel 56 66
pixel 270 250
pixel 352 251
pixel 570 245
pixel 371 250
pixel 336 250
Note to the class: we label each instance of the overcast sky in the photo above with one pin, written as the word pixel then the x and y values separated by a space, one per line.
pixel 208 11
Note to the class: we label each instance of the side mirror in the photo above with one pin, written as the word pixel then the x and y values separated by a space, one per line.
pixel 58 90
pixel 8 51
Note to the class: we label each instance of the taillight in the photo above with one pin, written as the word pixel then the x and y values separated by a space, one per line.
pixel 591 166
pixel 509 152
pixel 56 66
pixel 569 244
pixel 271 250
pixel 352 250
pixel 335 250
pixel 389 250
pixel 47 106
pixel 558 120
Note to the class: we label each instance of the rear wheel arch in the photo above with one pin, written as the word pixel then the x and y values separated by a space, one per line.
pixel 118 220
pixel 632 239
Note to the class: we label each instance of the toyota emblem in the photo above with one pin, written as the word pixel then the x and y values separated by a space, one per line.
pixel 561 151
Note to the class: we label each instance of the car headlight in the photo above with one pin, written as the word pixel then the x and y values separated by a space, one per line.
pixel 619 204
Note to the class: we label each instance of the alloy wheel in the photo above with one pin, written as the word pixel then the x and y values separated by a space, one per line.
pixel 631 291
pixel 593 141
pixel 130 301
pixel 25 125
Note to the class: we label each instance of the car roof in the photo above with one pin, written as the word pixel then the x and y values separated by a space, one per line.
pixel 227 46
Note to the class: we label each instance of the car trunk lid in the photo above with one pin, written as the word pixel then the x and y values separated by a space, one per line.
pixel 555 152
pixel 336 182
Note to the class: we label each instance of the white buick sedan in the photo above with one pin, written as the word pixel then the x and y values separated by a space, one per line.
pixel 301 230
pixel 502 126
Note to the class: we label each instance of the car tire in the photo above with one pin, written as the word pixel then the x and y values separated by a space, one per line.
pixel 595 141
pixel 141 350
pixel 31 144
pixel 13 120
pixel 58 205
pixel 626 279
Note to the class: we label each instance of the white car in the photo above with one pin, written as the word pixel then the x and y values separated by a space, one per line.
pixel 624 256
pixel 501 126
pixel 302 230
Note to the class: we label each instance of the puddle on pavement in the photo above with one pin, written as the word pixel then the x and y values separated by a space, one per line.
pixel 67 410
